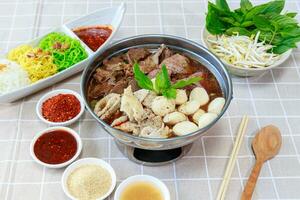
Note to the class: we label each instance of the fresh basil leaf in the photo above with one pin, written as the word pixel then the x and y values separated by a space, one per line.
pixel 291 14
pixel 274 7
pixel 183 83
pixel 247 24
pixel 213 23
pixel 254 11
pixel 270 7
pixel 280 49
pixel 290 32
pixel 245 5
pixel 262 23
pixel 142 79
pixel 222 4
pixel 170 93
pixel 230 20
pixel 282 20
pixel 162 79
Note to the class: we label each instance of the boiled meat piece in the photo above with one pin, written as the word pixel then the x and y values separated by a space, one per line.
pixel 107 105
pixel 135 55
pixel 114 63
pixel 131 105
pixel 176 64
pixel 152 61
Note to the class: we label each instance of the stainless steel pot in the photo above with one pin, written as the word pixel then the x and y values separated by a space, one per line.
pixel 128 143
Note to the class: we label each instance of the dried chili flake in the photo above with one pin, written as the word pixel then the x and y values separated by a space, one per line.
pixel 61 108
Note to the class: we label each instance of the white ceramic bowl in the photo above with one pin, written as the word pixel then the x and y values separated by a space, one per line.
pixel 69 130
pixel 52 94
pixel 85 161
pixel 246 71
pixel 144 178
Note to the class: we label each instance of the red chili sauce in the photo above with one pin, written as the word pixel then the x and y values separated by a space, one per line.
pixel 55 147
pixel 93 36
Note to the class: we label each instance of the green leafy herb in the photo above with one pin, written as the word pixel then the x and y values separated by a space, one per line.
pixel 183 83
pixel 280 30
pixel 162 84
pixel 142 80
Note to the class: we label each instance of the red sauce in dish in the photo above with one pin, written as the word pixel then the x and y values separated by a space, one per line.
pixel 55 147
pixel 93 36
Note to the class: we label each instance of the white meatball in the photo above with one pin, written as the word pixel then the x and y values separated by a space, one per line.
pixel 174 118
pixel 197 115
pixel 216 105
pixel 162 106
pixel 189 107
pixel 206 119
pixel 181 97
pixel 141 94
pixel 199 94
pixel 184 128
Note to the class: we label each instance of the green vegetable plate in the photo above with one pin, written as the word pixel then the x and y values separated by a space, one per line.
pixel 245 72
pixel 252 38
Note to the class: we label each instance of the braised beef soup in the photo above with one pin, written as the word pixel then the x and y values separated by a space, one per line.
pixel 117 99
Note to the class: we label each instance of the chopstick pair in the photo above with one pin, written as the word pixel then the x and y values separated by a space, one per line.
pixel 233 157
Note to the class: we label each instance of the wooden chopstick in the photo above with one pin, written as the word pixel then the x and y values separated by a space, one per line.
pixel 233 157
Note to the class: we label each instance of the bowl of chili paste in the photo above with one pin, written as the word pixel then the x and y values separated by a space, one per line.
pixel 56 147
pixel 93 36
pixel 60 107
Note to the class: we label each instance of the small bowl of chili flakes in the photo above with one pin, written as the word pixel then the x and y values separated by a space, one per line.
pixel 56 147
pixel 60 107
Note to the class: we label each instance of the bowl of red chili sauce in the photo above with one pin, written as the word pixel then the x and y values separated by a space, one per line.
pixel 93 36
pixel 60 107
pixel 56 147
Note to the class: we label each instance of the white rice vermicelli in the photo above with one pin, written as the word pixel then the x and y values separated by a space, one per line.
pixel 12 76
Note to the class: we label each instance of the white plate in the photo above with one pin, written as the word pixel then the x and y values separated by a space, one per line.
pixel 109 16
pixel 246 71
pixel 88 161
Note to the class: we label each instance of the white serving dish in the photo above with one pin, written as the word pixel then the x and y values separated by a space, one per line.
pixel 69 130
pixel 246 71
pixel 52 94
pixel 108 16
pixel 86 161
pixel 142 178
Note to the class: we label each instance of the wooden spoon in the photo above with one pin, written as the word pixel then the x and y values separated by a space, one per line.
pixel 266 145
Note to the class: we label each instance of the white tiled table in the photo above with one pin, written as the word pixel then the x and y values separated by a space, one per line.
pixel 272 98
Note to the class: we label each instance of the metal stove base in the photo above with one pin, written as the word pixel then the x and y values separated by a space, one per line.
pixel 153 157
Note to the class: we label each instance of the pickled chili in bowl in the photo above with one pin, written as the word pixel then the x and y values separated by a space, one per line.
pixel 93 36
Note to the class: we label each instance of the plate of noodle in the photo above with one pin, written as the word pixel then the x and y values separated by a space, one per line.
pixel 52 57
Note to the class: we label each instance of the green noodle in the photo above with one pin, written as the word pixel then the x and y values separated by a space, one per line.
pixel 68 52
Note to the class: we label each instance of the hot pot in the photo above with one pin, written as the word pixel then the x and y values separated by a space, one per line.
pixel 154 151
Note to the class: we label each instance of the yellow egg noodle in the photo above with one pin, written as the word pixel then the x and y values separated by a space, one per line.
pixel 38 63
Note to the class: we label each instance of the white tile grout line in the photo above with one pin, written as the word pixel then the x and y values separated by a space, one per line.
pixel 185 157
pixel 175 181
pixel 259 126
pixel 159 17
pixel 286 119
pixel 237 160
pixel 20 109
pixel 206 169
pixel 163 179
pixel 39 8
